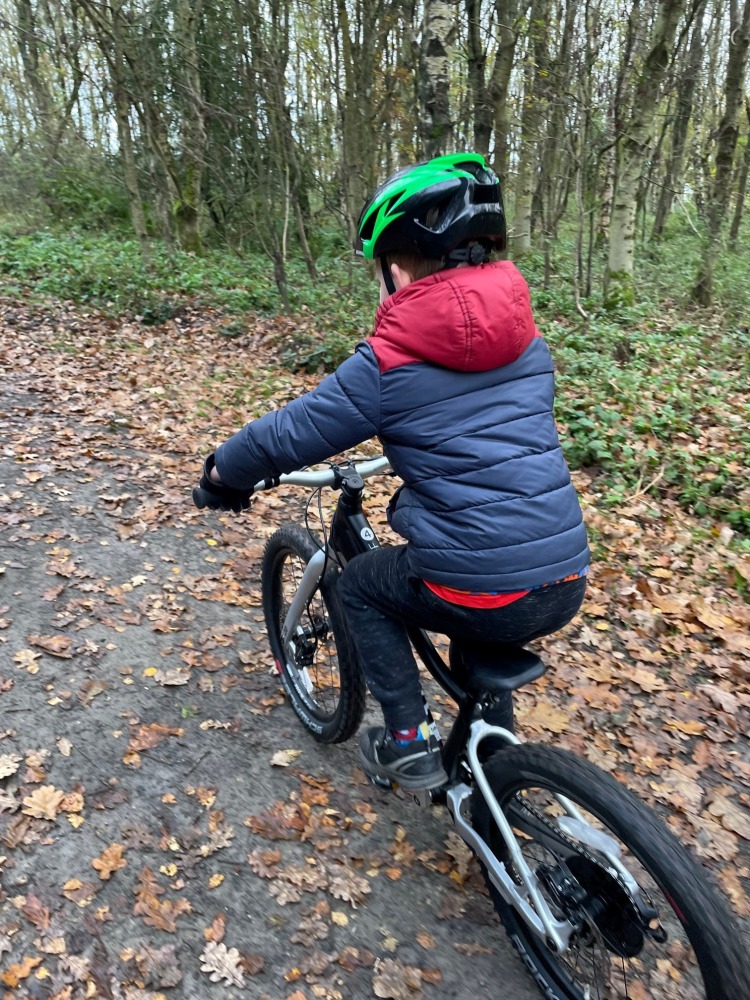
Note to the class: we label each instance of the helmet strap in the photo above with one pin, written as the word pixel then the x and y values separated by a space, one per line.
pixel 385 270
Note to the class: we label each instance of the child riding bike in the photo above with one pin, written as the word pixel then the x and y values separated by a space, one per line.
pixel 458 385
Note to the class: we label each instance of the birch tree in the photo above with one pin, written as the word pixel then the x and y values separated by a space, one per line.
pixel 437 55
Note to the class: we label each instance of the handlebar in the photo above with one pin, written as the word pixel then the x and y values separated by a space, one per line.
pixel 305 477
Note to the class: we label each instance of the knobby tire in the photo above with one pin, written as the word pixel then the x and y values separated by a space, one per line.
pixel 340 719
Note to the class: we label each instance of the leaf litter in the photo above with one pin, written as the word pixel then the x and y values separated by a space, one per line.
pixel 144 666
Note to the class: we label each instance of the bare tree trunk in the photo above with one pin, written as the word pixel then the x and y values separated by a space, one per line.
pixel 193 131
pixel 437 51
pixel 28 45
pixel 507 13
pixel 632 148
pixel 559 160
pixel 534 108
pixel 739 45
pixel 481 104
pixel 358 44
pixel 122 113
pixel 741 185
pixel 685 92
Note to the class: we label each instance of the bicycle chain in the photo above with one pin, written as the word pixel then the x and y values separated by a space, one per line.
pixel 580 849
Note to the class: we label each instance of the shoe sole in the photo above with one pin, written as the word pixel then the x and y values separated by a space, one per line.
pixel 409 784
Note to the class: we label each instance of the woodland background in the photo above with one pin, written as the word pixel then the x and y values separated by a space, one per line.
pixel 179 186
pixel 161 154
pixel 262 126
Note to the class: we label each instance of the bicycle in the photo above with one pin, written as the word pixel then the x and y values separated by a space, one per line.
pixel 598 898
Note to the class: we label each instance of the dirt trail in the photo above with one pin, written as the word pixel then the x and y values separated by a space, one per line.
pixel 111 584
pixel 141 819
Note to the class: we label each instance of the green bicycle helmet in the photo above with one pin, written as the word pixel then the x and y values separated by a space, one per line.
pixel 467 198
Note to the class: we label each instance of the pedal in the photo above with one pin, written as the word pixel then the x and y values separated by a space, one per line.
pixel 382 783
pixel 422 798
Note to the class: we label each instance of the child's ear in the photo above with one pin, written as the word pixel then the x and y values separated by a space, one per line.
pixel 401 277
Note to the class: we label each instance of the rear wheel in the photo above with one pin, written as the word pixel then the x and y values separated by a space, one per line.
pixel 672 938
pixel 318 663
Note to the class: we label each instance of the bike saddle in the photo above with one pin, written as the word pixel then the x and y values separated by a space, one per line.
pixel 496 667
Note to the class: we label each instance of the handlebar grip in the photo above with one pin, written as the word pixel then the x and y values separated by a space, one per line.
pixel 201 498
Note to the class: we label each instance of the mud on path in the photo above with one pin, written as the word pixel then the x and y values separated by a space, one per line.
pixel 144 830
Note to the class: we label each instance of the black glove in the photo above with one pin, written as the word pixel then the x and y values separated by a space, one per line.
pixel 217 496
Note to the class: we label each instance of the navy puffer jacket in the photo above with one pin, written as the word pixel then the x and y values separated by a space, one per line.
pixel 458 385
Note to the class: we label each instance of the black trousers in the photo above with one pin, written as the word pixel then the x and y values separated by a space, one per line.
pixel 381 596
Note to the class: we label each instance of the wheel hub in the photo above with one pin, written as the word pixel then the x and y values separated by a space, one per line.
pixel 592 896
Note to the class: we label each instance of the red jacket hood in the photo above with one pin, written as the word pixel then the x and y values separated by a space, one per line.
pixel 466 319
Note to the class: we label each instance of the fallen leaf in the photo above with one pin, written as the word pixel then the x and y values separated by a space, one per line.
pixel 159 913
pixel 727 701
pixel 43 803
pixel 35 911
pixel 159 966
pixel 690 727
pixel 110 861
pixel 646 680
pixel 15 973
pixel 72 803
pixel 349 887
pixel 395 981
pixel 252 964
pixel 283 758
pixel 174 677
pixel 544 716
pixel 222 963
pixel 27 658
pixel 9 763
pixel 146 737
pixel 88 691
pixel 216 931
pixel 432 976
pixel 731 816
pixel 79 892
pixel 55 645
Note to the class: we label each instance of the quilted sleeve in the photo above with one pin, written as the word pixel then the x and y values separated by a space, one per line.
pixel 341 412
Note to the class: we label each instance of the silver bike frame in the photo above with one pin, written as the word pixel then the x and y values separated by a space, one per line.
pixel 539 916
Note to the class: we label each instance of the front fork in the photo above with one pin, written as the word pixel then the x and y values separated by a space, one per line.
pixel 350 535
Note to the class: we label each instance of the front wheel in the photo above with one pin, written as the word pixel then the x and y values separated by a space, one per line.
pixel 671 937
pixel 318 663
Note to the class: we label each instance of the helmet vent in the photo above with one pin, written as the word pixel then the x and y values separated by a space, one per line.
pixel 368 227
pixel 486 194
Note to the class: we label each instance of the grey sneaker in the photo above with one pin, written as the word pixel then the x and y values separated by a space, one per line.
pixel 415 767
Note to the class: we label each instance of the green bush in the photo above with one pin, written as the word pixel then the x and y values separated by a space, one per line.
pixel 109 272
pixel 79 188
pixel 657 406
